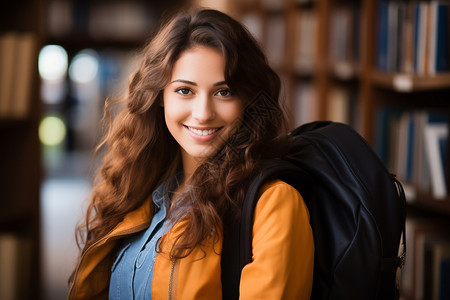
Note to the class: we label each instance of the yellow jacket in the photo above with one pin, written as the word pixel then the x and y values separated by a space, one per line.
pixel 282 266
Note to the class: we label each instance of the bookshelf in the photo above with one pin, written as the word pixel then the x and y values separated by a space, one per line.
pixel 20 172
pixel 382 66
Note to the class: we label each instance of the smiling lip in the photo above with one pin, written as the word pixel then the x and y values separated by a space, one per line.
pixel 203 134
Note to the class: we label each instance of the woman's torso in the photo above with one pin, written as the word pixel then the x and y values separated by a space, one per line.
pixel 281 226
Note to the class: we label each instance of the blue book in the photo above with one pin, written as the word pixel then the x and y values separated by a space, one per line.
pixel 383 32
pixel 437 117
pixel 384 120
pixel 442 38
pixel 416 35
pixel 444 280
pixel 356 31
pixel 443 144
pixel 410 154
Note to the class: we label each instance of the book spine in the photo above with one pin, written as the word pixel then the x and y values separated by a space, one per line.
pixel 382 52
pixel 442 53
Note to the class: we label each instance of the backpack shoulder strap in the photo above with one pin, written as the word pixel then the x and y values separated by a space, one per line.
pixel 268 171
pixel 237 247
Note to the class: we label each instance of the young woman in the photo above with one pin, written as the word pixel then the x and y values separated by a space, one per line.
pixel 201 111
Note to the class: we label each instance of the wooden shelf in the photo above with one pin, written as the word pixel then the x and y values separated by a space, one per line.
pixel 17 223
pixel 9 123
pixel 408 83
pixel 304 3
pixel 436 206
pixel 79 41
pixel 425 201
pixel 344 71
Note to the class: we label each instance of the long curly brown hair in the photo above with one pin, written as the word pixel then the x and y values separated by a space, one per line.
pixel 141 153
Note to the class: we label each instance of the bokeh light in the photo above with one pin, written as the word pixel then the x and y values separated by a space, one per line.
pixel 84 66
pixel 52 131
pixel 53 62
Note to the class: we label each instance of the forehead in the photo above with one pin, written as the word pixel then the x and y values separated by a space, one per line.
pixel 201 63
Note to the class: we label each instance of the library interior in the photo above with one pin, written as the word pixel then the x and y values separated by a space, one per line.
pixel 381 66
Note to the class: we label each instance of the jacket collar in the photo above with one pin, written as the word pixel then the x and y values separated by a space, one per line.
pixel 97 258
pixel 134 219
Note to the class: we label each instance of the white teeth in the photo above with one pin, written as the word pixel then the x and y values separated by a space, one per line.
pixel 203 132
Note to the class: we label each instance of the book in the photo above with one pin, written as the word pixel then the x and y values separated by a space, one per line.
pixel 339 106
pixel 305 41
pixel 406 51
pixel 413 145
pixel 8 51
pixel 444 284
pixel 409 167
pixel 340 35
pixel 9 247
pixel 275 40
pixel 394 27
pixel 384 130
pixel 421 37
pixel 394 36
pixel 436 140
pixel 382 38
pixel 18 66
pixel 305 104
pixel 420 234
pixel 403 155
pixel 344 40
pixel 421 170
pixel 394 144
pixel 421 161
pixel 440 256
pixel 15 260
pixel 24 73
pixel 436 249
pixel 254 24
pixel 432 33
pixel 441 62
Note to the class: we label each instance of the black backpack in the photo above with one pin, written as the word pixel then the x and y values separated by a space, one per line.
pixel 357 214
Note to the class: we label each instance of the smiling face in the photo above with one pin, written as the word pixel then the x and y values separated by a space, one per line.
pixel 200 110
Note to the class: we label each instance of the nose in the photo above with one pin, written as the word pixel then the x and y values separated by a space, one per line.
pixel 203 109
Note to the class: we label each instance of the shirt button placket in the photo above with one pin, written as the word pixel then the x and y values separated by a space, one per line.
pixel 140 260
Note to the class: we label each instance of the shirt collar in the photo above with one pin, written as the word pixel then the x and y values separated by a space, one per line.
pixel 164 192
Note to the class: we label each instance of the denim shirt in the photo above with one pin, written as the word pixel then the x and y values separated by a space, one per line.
pixel 132 271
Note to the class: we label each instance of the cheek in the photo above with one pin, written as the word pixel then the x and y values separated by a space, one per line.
pixel 173 110
pixel 232 112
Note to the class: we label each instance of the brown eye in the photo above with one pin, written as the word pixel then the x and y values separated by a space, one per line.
pixel 224 93
pixel 183 91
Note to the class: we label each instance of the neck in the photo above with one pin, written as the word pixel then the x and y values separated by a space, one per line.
pixel 190 164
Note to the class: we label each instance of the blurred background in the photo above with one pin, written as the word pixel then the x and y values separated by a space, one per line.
pixel 381 66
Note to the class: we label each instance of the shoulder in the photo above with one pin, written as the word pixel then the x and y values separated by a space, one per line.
pixel 282 246
pixel 278 186
pixel 279 198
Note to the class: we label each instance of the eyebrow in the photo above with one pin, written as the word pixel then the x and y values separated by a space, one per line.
pixel 195 84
